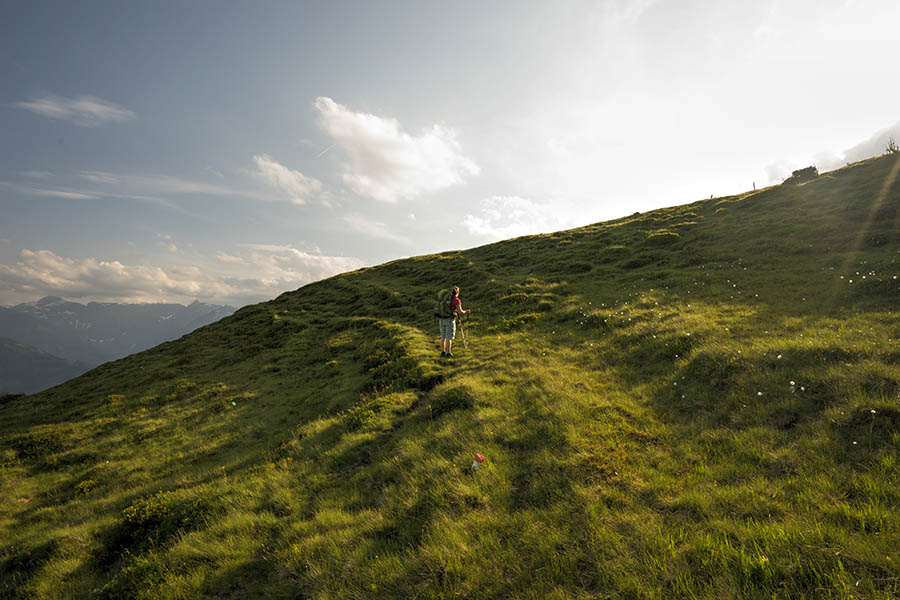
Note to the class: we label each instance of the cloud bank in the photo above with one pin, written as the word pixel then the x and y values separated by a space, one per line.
pixel 503 217
pixel 86 111
pixel 388 164
pixel 827 161
pixel 263 273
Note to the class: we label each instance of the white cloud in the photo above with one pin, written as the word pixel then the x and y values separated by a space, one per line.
pixel 266 272
pixel 874 146
pixel 41 273
pixel 295 185
pixel 272 269
pixel 165 241
pixel 99 177
pixel 67 194
pixel 828 160
pixel 386 163
pixel 503 217
pixel 86 111
pixel 268 247
pixel 375 229
pixel 780 169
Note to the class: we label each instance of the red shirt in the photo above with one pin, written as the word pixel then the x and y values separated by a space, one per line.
pixel 455 306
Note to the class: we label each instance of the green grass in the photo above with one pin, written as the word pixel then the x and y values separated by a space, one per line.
pixel 695 402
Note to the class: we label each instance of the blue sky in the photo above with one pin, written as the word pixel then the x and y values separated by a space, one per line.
pixel 229 151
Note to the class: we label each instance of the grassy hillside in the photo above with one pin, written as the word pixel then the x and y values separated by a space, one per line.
pixel 698 402
pixel 24 369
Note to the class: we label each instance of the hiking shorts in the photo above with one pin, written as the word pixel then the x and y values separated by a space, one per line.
pixel 448 328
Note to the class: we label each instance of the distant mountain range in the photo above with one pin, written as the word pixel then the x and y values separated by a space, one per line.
pixel 24 369
pixel 49 341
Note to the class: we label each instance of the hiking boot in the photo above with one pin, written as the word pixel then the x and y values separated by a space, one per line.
pixel 450 355
pixel 443 354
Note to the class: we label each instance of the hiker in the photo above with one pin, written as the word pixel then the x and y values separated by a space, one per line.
pixel 448 324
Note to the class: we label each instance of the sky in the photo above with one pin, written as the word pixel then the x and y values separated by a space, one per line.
pixel 228 151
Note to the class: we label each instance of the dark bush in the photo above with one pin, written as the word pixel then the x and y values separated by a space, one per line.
pixel 84 487
pixel 39 445
pixel 154 521
pixel 801 175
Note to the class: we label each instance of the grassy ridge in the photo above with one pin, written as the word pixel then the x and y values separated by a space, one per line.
pixel 697 402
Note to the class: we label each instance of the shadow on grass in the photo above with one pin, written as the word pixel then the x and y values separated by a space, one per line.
pixel 721 389
pixel 245 579
pixel 19 563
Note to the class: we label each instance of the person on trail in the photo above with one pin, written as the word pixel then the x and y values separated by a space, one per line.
pixel 448 324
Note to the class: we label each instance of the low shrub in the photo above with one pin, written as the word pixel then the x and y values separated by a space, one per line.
pixel 802 175
pixel 38 445
pixel 153 521
pixel 364 413
pixel 134 580
pixel 84 487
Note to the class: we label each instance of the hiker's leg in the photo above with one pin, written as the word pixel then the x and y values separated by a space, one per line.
pixel 449 345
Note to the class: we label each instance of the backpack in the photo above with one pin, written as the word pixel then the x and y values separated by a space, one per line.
pixel 442 305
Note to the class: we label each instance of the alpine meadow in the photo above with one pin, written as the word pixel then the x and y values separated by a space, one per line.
pixel 701 401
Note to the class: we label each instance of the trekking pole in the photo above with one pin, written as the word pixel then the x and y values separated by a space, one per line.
pixel 462 330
